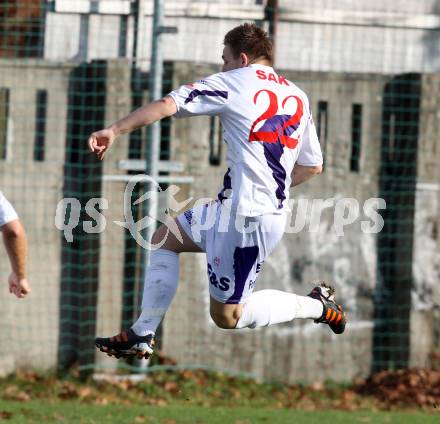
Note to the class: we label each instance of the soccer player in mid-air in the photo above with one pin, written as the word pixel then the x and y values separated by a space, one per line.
pixel 272 146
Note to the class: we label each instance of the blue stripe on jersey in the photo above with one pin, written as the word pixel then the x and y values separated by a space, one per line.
pixel 274 151
pixel 214 93
pixel 227 185
pixel 244 260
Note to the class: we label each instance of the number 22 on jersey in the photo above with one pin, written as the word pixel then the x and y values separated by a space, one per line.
pixel 277 127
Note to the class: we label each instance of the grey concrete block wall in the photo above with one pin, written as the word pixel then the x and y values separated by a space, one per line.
pixel 291 352
pixel 425 316
pixel 34 188
pixel 112 239
pixel 340 36
pixel 362 36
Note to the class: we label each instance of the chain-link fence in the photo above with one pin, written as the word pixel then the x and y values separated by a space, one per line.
pixel 372 72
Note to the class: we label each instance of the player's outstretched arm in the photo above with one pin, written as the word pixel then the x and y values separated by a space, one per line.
pixel 303 173
pixel 100 141
pixel 14 238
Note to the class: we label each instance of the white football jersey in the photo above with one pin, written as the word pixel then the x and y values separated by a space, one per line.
pixel 268 126
pixel 7 212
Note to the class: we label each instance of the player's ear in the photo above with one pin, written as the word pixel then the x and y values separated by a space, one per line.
pixel 244 60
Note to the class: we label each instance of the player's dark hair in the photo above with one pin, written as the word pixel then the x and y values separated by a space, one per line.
pixel 250 39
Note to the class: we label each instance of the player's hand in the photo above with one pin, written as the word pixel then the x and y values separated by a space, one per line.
pixel 100 141
pixel 18 286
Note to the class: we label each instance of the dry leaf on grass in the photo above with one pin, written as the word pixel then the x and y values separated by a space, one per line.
pixel 172 387
pixel 14 393
pixel 68 391
pixel 406 387
pixel 101 401
pixel 58 416
pixel 5 415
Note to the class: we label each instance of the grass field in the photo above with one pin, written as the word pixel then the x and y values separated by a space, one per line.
pixel 76 412
pixel 197 396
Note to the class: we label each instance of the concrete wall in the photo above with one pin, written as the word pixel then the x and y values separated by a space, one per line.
pixel 340 36
pixel 85 30
pixel 30 327
pixel 362 36
pixel 301 351
pixel 425 318
pixel 112 240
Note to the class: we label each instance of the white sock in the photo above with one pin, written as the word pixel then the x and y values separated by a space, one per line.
pixel 160 285
pixel 267 307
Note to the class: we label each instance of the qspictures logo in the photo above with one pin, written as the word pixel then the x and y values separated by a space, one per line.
pixel 302 214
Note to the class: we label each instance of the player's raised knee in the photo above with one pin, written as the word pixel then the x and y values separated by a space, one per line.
pixel 225 316
pixel 223 321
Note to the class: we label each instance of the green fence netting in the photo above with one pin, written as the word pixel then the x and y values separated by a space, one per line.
pixel 372 72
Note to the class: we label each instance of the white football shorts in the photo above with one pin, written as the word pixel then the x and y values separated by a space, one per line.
pixel 235 247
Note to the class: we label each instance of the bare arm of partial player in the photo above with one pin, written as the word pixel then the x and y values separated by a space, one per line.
pixel 100 141
pixel 15 241
pixel 303 173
